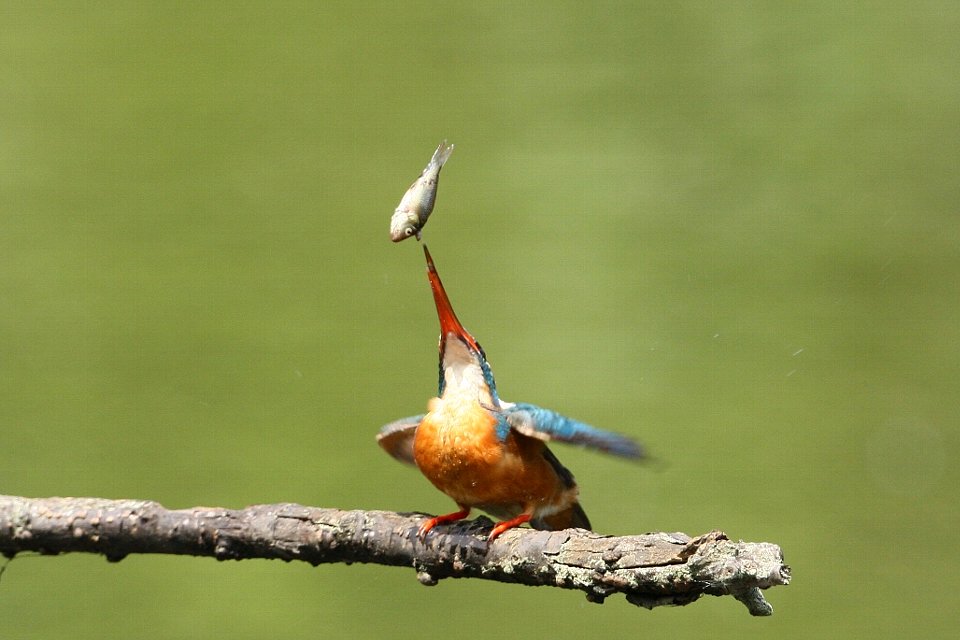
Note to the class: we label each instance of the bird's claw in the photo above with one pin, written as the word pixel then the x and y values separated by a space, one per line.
pixel 425 528
pixel 507 524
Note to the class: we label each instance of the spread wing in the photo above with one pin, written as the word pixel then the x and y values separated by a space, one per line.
pixel 396 438
pixel 546 425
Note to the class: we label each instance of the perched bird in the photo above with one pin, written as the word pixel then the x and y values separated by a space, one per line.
pixel 417 203
pixel 487 453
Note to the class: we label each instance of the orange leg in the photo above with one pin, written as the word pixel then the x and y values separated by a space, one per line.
pixel 508 524
pixel 444 519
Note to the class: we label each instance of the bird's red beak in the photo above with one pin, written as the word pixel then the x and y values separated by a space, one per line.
pixel 448 319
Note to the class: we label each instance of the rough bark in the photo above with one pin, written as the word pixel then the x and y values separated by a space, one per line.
pixel 652 569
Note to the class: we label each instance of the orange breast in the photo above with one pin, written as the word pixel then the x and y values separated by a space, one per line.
pixel 457 449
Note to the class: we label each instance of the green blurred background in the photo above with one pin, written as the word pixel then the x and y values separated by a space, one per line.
pixel 729 229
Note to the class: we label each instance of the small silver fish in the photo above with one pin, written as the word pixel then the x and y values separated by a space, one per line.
pixel 417 204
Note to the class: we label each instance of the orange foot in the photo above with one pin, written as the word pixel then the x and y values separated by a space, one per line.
pixel 507 524
pixel 444 519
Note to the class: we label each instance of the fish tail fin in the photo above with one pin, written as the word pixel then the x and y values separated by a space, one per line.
pixel 442 154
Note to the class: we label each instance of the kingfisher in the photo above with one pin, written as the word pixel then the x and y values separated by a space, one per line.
pixel 487 453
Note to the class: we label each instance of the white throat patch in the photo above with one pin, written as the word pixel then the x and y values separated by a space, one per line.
pixel 462 373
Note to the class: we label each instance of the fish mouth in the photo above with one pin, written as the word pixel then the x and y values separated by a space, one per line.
pixel 401 231
pixel 448 319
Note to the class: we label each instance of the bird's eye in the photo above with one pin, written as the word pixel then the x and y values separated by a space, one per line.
pixel 408 231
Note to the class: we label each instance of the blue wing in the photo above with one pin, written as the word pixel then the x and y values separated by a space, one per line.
pixel 396 438
pixel 543 424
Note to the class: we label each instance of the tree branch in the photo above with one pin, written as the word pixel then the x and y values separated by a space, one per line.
pixel 652 569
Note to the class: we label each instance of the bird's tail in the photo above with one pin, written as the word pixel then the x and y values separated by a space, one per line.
pixel 573 517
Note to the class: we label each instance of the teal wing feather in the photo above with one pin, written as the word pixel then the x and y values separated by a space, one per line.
pixel 543 424
pixel 396 438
